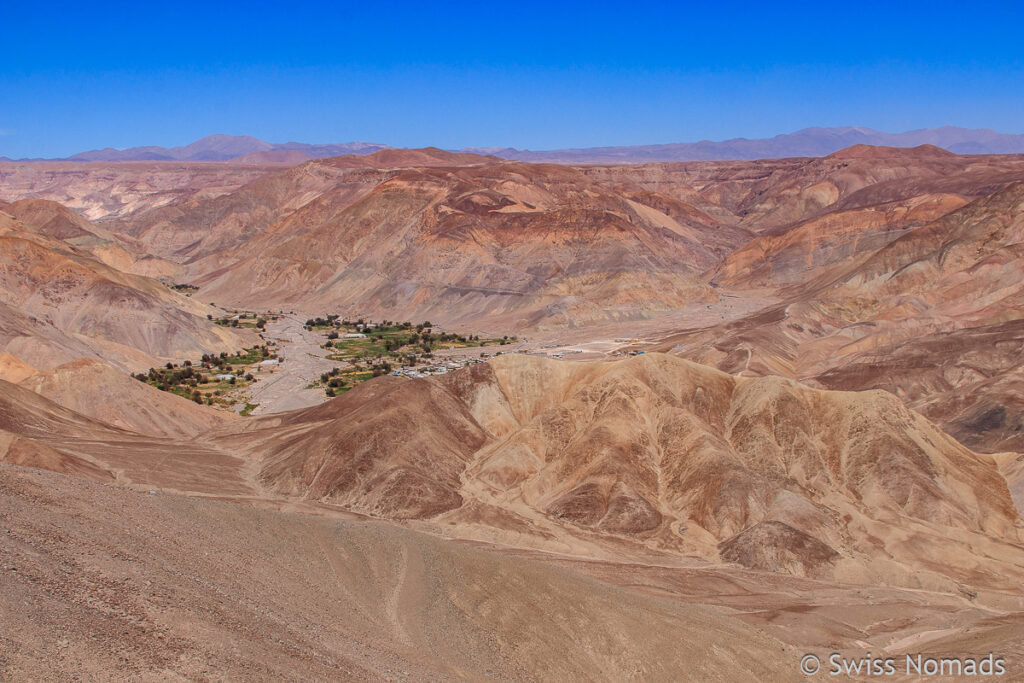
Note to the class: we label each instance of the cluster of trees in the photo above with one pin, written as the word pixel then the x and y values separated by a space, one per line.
pixel 333 382
pixel 423 337
pixel 183 380
pixel 164 378
pixel 362 324
pixel 211 359
pixel 186 380
pixel 223 360
pixel 186 288
pixel 233 321
pixel 329 321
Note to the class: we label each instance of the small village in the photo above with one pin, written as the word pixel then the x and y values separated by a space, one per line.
pixel 373 348
pixel 441 368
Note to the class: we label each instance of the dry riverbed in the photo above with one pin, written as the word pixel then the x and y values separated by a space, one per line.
pixel 285 387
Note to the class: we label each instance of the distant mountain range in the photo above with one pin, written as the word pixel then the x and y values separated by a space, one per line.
pixel 228 147
pixel 809 142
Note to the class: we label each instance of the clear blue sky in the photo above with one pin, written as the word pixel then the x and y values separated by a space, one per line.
pixel 84 75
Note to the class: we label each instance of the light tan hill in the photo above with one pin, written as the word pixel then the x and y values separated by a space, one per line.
pixel 86 308
pixel 50 219
pixel 105 190
pixel 37 432
pixel 41 345
pixel 378 452
pixel 118 251
pixel 658 453
pixel 94 388
pixel 14 370
pixel 18 450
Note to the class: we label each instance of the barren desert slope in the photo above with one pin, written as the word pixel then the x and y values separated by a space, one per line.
pixel 96 389
pixel 110 582
pixel 426 234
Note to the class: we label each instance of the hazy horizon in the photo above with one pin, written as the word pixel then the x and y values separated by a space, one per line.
pixel 499 147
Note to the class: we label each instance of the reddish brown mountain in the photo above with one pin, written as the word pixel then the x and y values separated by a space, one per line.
pixel 200 226
pixel 452 236
pixel 773 195
pixel 931 317
pixel 794 255
pixel 520 243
